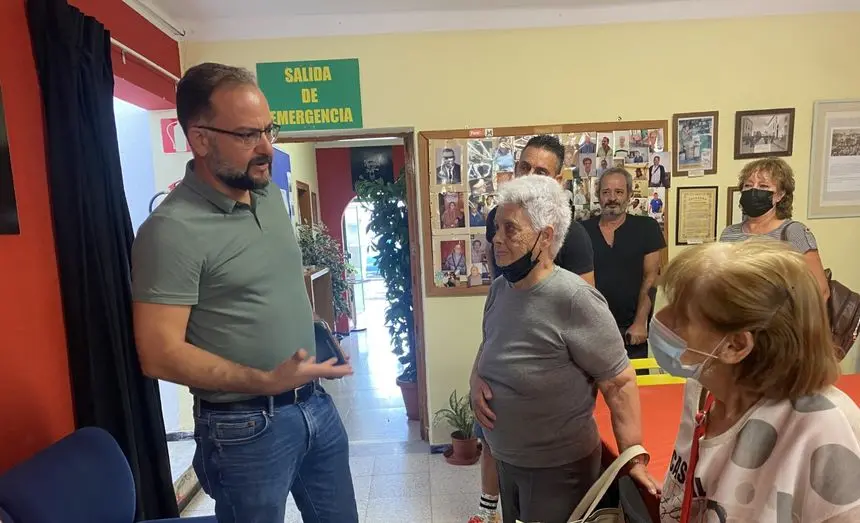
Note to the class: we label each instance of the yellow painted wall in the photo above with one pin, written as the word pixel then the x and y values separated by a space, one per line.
pixel 585 74
pixel 303 161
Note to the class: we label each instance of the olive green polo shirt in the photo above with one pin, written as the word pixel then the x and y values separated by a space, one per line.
pixel 238 267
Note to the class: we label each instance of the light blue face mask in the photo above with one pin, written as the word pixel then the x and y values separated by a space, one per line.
pixel 668 348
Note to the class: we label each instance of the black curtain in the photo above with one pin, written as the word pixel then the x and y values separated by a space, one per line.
pixel 93 236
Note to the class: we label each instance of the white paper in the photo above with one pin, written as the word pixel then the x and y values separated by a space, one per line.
pixel 844 175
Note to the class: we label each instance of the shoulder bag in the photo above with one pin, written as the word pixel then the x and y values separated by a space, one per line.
pixel 843 310
pixel 586 511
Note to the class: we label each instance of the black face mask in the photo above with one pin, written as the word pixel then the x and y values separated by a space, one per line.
pixel 756 202
pixel 518 270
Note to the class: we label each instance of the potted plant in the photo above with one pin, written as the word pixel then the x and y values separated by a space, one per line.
pixel 320 250
pixel 464 446
pixel 389 222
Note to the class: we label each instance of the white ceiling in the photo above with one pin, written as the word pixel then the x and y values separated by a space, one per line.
pixel 216 20
pixel 196 9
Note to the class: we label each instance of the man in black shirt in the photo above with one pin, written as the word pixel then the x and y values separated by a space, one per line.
pixel 627 259
pixel 543 155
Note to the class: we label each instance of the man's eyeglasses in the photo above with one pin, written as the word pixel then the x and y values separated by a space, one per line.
pixel 251 137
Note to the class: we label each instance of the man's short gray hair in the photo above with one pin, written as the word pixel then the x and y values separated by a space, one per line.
pixel 616 171
pixel 545 203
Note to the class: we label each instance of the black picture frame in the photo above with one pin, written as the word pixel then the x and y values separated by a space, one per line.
pixel 8 206
pixel 679 199
pixel 741 121
pixel 678 168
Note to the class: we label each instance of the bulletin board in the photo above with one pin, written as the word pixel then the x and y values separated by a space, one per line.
pixel 461 170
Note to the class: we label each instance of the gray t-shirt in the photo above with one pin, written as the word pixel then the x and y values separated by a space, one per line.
pixel 238 267
pixel 797 234
pixel 543 350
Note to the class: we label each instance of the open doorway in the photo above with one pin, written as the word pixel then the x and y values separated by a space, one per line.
pixel 368 286
pixel 303 195
pixel 340 157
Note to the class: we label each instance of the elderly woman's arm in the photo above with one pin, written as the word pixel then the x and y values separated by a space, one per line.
pixel 622 397
pixel 479 391
pixel 596 346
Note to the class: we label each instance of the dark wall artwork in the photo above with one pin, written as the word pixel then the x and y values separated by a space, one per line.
pixel 8 207
pixel 371 163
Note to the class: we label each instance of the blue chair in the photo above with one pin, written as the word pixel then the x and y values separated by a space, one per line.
pixel 83 478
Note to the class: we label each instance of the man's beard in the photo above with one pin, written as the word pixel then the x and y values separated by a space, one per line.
pixel 613 209
pixel 243 181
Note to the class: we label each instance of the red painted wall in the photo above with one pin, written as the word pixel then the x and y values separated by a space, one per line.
pixel 335 184
pixel 35 394
pixel 137 83
pixel 334 179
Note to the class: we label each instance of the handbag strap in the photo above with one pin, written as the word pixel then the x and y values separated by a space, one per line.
pixel 706 401
pixel 589 503
pixel 783 235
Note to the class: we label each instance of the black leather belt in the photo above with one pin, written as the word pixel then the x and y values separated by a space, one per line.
pixel 289 397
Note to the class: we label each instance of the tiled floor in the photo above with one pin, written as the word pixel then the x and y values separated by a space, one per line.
pixel 396 479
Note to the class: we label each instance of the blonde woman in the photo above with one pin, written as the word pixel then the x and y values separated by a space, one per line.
pixel 767 197
pixel 746 324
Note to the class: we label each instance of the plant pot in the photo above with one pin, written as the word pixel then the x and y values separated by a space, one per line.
pixel 409 390
pixel 462 451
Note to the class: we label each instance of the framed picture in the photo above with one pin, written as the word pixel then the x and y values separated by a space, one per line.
pixel 765 132
pixel 834 171
pixel 694 143
pixel 696 215
pixel 734 214
pixel 452 210
pixel 449 165
pixel 8 205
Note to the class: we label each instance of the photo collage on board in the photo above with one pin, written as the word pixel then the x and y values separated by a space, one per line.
pixel 464 179
pixel 641 152
pixel 466 174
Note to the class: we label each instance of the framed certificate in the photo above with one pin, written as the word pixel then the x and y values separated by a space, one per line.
pixel 696 215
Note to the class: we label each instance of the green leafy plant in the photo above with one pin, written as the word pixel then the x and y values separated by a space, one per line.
pixel 321 250
pixel 389 222
pixel 458 415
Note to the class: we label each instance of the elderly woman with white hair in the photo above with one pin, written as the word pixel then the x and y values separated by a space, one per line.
pixel 548 339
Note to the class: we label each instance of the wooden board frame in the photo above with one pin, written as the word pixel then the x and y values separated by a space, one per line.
pixel 424 138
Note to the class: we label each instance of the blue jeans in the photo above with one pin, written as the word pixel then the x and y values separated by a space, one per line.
pixel 248 462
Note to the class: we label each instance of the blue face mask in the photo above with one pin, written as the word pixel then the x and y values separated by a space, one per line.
pixel 668 348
